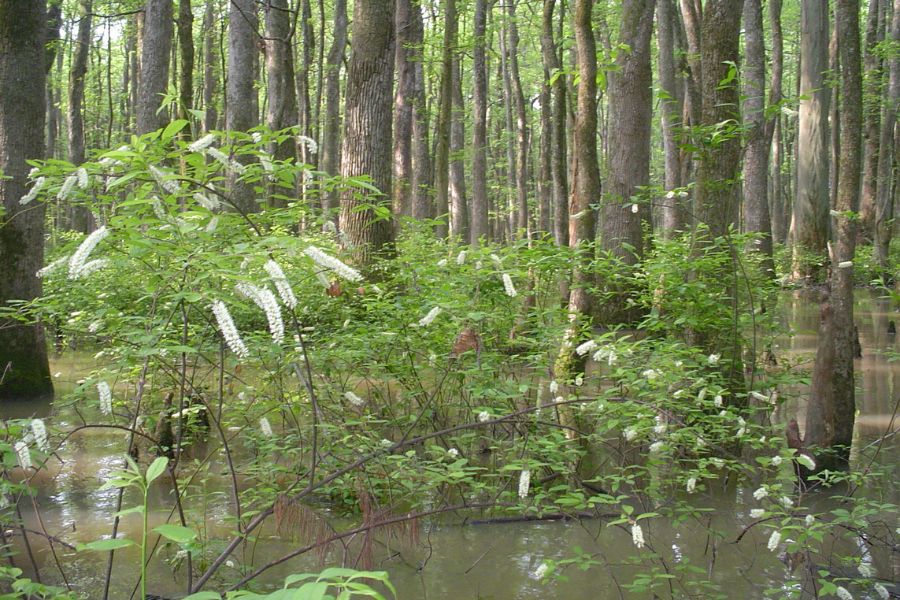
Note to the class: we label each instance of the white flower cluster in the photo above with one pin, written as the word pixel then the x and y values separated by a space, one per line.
pixel 265 427
pixel 206 202
pixel 266 301
pixel 774 540
pixel 691 485
pixel 508 286
pixel 461 257
pixel 541 571
pixel 311 146
pixel 52 267
pixel 225 161
pixel 757 513
pixel 484 416
pixel 281 284
pixel 67 187
pixel 79 266
pixel 105 397
pixel 33 192
pixel 524 483
pixel 39 430
pixel 630 433
pixel 429 318
pixel 607 353
pixel 228 329
pixel 637 536
pixel 354 399
pixel 330 262
pixel 203 143
pixel 588 346
pixel 23 455
pixel 760 493
pixel 164 180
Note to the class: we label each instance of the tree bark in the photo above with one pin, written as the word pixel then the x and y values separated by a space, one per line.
pixel 630 116
pixel 210 74
pixel 873 78
pixel 811 204
pixel 186 53
pixel 459 209
pixel 23 351
pixel 242 104
pixel 774 126
pixel 423 205
pixel 559 154
pixel 442 150
pixel 330 156
pixel 884 209
pixel 155 48
pixel 366 148
pixel 404 64
pixel 281 110
pixel 479 225
pixel 522 134
pixel 756 149
pixel 672 106
pixel 77 72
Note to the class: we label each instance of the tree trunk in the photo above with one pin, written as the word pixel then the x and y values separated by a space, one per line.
pixel 281 110
pixel 630 115
pixel 302 99
pixel 884 209
pixel 242 104
pixel 423 207
pixel 672 106
pixel 210 74
pixel 366 148
pixel 186 51
pixel 811 204
pixel 404 64
pixel 522 135
pixel 558 146
pixel 155 48
pixel 330 156
pixel 442 151
pixel 511 183
pixel 756 149
pixel 77 73
pixel 23 351
pixel 479 225
pixel 459 209
pixel 545 157
pixel 774 126
pixel 873 78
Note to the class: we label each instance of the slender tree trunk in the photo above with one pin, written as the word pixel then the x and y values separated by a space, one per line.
pixel 811 204
pixel 302 98
pixel 423 206
pixel 406 58
pixel 459 209
pixel 774 125
pixel 80 216
pixel 186 51
pixel 558 148
pixel 672 106
pixel 155 48
pixel 756 149
pixel 884 209
pixel 23 351
pixel 367 143
pixel 522 135
pixel 479 225
pixel 242 104
pixel 210 74
pixel 873 77
pixel 630 114
pixel 442 153
pixel 331 129
pixel 545 158
pixel 511 183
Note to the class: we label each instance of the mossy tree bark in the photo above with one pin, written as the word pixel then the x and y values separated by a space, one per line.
pixel 24 369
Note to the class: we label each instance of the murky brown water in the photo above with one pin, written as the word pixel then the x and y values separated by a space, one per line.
pixel 456 561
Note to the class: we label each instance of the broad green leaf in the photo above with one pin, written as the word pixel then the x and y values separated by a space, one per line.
pixel 107 545
pixel 176 533
pixel 156 468
pixel 173 128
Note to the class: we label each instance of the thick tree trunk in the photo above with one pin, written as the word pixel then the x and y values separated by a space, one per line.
pixel 367 142
pixel 630 115
pixel 873 78
pixel 459 209
pixel 811 204
pixel 330 157
pixel 281 110
pixel 155 48
pixel 242 104
pixel 558 147
pixel 210 64
pixel 479 225
pixel 756 149
pixel 884 209
pixel 24 369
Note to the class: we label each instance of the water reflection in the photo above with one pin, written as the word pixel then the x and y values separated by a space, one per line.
pixel 481 561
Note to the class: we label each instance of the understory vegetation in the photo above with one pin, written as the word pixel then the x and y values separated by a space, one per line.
pixel 359 405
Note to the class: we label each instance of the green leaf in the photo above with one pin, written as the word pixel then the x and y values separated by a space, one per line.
pixel 204 596
pixel 176 533
pixel 107 545
pixel 156 468
pixel 134 509
pixel 173 128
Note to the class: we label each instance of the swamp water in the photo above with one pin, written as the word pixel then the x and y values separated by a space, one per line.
pixel 468 561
